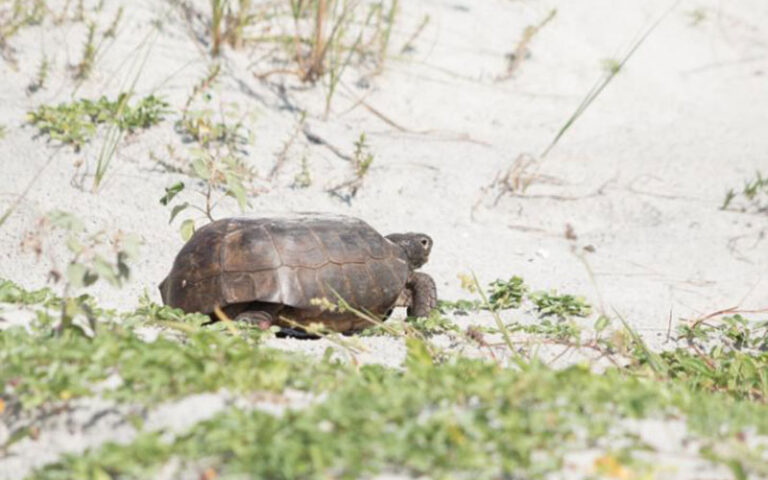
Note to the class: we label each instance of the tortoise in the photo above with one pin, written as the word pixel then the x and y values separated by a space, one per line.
pixel 269 271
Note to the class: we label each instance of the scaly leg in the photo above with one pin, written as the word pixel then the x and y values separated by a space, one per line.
pixel 423 295
pixel 259 318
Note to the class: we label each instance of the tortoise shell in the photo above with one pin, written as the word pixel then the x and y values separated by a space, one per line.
pixel 289 262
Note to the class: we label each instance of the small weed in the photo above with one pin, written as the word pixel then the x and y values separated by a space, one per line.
pixel 228 24
pixel 563 331
pixel 94 256
pixel 330 35
pixel 615 66
pixel 562 306
pixel 41 78
pixel 507 294
pixel 697 16
pixel 112 30
pixel 13 17
pixel 224 174
pixel 219 158
pixel 75 123
pixel 611 66
pixel 752 197
pixel 462 307
pixel 516 58
pixel 524 171
pixel 303 179
pixel 729 355
pixel 84 68
pixel 3 131
pixel 408 46
pixel 434 324
pixel 218 14
pixel 361 163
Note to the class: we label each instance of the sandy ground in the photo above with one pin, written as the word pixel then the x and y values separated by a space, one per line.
pixel 639 178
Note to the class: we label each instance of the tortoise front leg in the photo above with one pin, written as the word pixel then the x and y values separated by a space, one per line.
pixel 423 295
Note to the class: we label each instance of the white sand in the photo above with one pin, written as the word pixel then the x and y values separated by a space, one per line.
pixel 639 177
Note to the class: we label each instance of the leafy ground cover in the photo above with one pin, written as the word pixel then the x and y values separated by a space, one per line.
pixel 441 415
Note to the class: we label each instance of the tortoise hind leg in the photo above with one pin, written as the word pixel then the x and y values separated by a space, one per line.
pixel 258 318
pixel 423 295
pixel 265 319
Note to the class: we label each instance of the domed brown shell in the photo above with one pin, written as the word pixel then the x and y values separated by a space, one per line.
pixel 287 261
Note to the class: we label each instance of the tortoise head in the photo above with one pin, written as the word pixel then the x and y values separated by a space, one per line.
pixel 416 246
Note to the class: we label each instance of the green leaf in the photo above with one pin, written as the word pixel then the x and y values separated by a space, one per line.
pixel 130 245
pixel 418 357
pixel 74 245
pixel 76 274
pixel 106 270
pixel 601 323
pixel 237 190
pixel 171 192
pixel 201 168
pixel 65 220
pixel 177 210
pixel 187 229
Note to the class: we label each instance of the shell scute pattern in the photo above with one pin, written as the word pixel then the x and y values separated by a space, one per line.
pixel 286 261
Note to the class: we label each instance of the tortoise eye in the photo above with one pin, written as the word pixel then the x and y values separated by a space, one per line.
pixel 425 243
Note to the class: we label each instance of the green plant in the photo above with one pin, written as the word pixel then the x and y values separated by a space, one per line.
pixel 524 171
pixel 330 35
pixel 218 160
pixel 84 68
pixel 13 17
pixel 753 196
pixel 546 328
pixel 460 417
pixel 224 174
pixel 563 306
pixel 93 256
pixel 362 159
pixel 507 294
pixel 409 44
pixel 729 354
pixel 303 179
pixel 434 324
pixel 41 78
pixel 75 123
pixel 112 30
pixel 697 16
pixel 227 23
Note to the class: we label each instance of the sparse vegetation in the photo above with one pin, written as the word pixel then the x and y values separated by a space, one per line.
pixel 507 294
pixel 468 416
pixel 752 197
pixel 93 256
pixel 75 123
pixel 218 160
pixel 228 23
pixel 510 382
pixel 84 68
pixel 516 58
pixel 562 306
pixel 42 76
pixel 362 158
pixel 223 175
pixel 303 179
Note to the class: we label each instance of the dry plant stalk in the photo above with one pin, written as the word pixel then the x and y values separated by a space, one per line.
pixel 516 58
